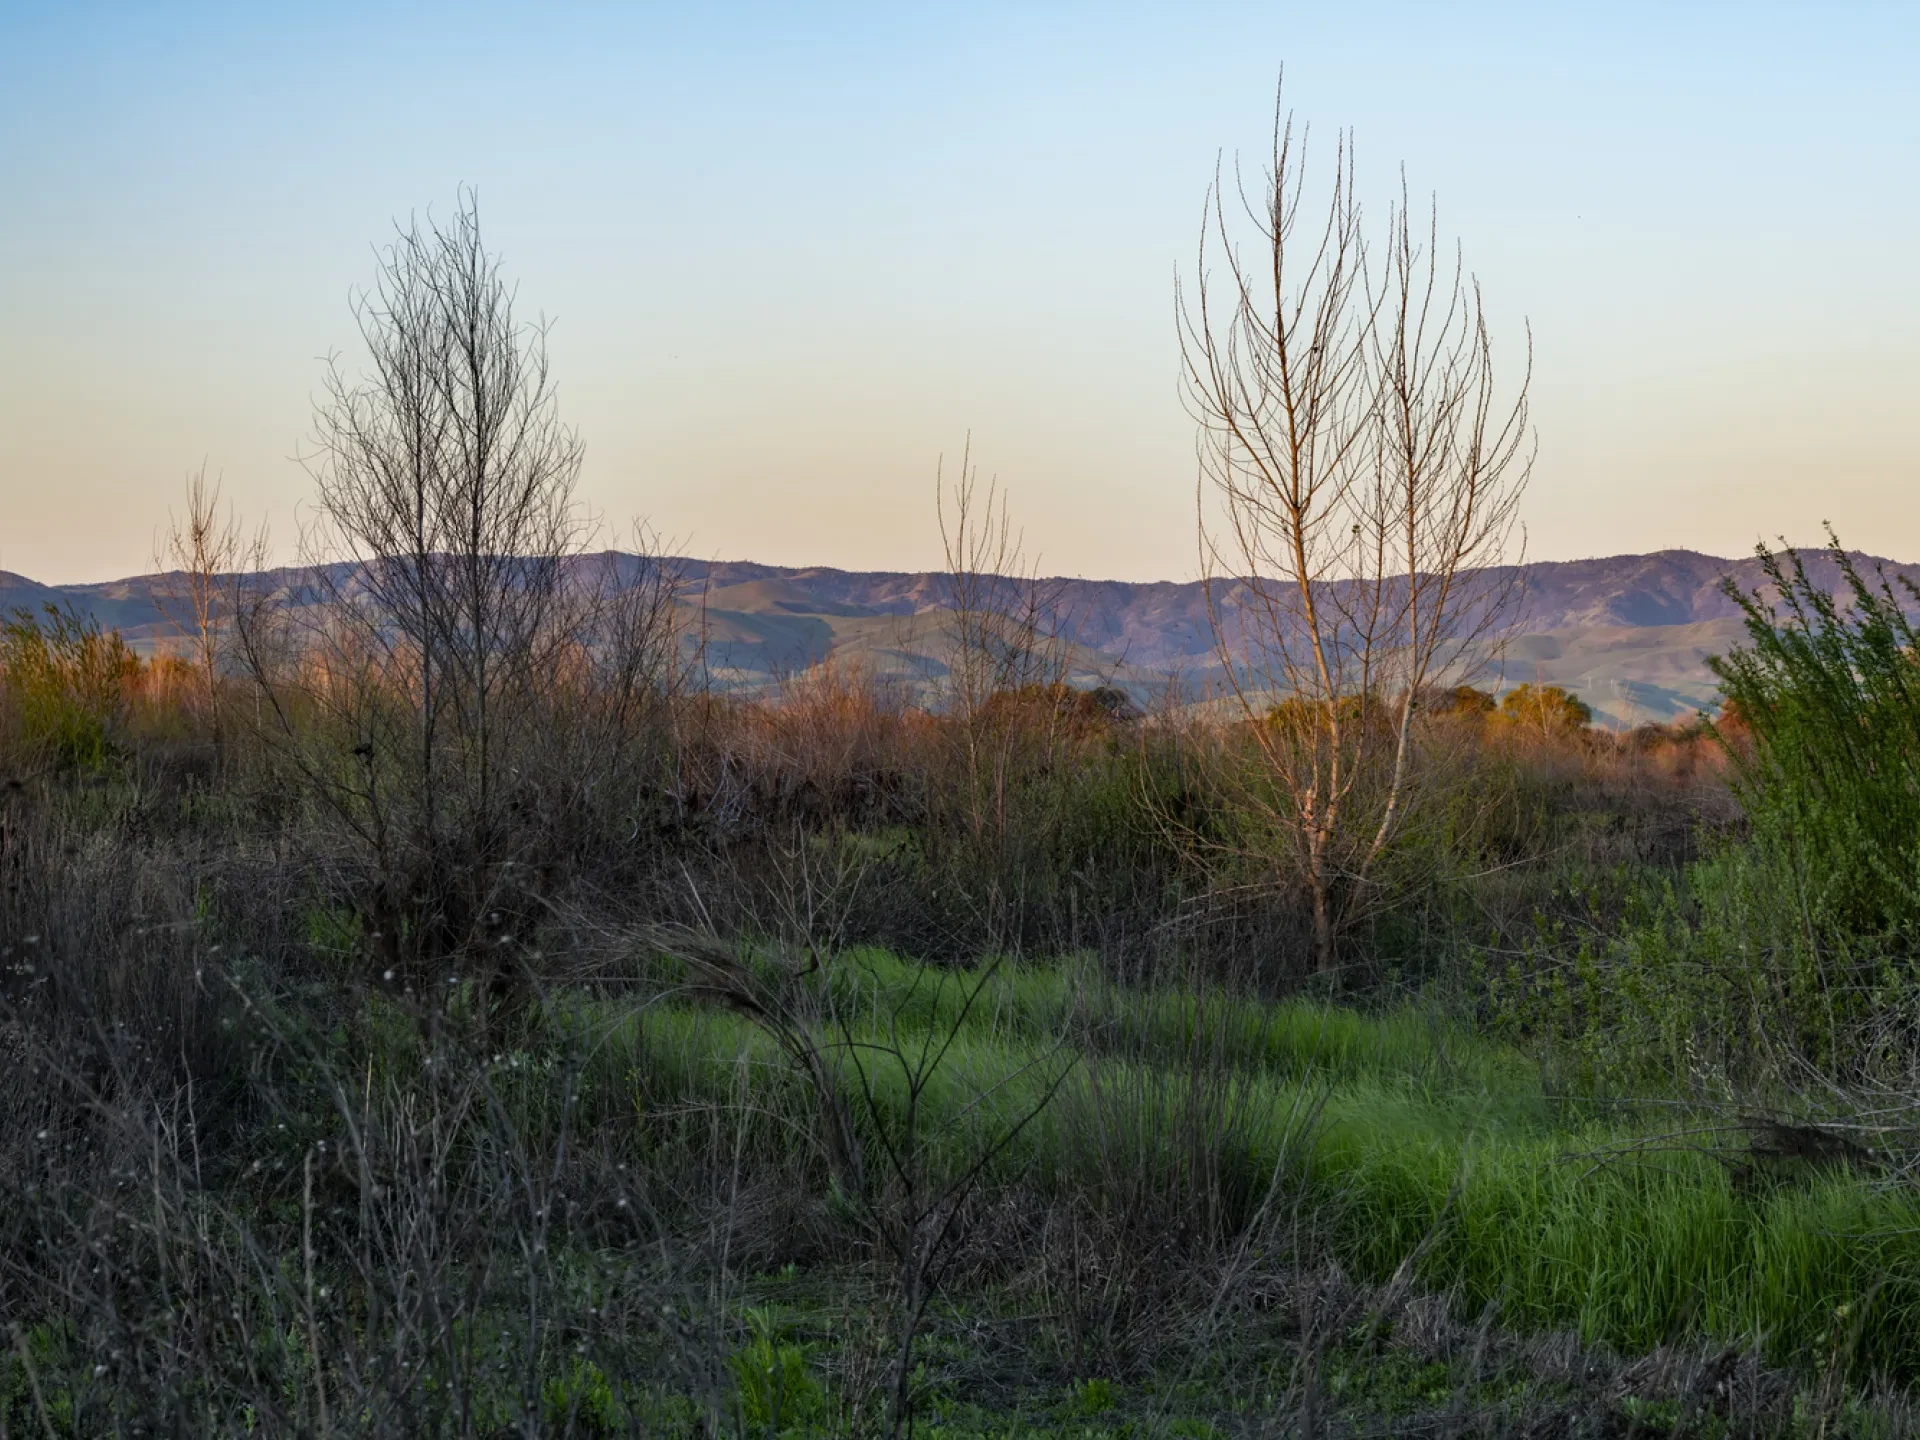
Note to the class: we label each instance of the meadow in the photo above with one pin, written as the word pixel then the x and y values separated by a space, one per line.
pixel 830 1061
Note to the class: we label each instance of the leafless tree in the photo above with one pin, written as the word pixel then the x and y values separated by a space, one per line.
pixel 446 479
pixel 1453 460
pixel 453 671
pixel 1007 632
pixel 1360 472
pixel 208 551
pixel 1010 657
pixel 1010 636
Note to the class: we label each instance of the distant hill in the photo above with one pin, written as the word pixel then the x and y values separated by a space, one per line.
pixel 1629 633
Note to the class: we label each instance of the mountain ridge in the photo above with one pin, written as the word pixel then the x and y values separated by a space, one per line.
pixel 1630 633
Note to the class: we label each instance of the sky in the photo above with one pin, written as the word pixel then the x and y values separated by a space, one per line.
pixel 794 254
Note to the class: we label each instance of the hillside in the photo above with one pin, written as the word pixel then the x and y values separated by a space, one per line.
pixel 1629 633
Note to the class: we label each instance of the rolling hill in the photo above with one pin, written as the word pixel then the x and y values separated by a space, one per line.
pixel 1629 633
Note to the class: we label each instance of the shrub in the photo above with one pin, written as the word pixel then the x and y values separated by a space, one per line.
pixel 66 683
pixel 777 1388
pixel 1548 709
pixel 1787 945
pixel 1828 697
pixel 1465 701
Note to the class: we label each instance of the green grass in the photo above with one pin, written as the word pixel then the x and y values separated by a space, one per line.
pixel 1399 1134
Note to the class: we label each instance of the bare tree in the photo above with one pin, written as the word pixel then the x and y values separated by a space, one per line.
pixel 1453 459
pixel 1009 657
pixel 1365 473
pixel 208 550
pixel 455 672
pixel 1007 633
pixel 446 479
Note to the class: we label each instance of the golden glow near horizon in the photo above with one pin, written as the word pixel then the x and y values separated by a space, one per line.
pixel 794 258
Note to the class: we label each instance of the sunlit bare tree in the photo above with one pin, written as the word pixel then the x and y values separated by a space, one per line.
pixel 1360 474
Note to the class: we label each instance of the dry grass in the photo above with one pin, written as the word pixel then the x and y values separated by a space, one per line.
pixel 253 1181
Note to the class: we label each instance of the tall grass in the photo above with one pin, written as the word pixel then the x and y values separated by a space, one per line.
pixel 1408 1141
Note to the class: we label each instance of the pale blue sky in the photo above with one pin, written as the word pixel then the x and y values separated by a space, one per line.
pixel 795 252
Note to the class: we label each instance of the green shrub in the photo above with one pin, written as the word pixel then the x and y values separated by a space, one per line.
pixel 777 1389
pixel 1830 696
pixel 1549 709
pixel 582 1401
pixel 1788 944
pixel 65 682
pixel 1092 1397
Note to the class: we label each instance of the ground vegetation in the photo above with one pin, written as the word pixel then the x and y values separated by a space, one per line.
pixel 447 1015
